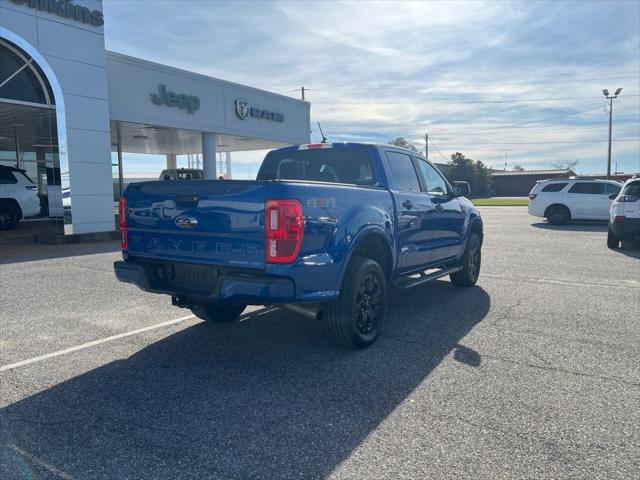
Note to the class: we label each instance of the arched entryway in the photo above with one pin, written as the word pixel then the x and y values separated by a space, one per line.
pixel 29 135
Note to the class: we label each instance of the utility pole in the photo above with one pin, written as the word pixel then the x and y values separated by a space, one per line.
pixel 302 90
pixel 610 98
pixel 426 146
pixel 506 151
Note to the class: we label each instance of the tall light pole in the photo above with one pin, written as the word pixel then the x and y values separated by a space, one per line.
pixel 610 98
pixel 506 151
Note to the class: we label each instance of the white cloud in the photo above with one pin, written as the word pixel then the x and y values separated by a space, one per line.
pixel 378 70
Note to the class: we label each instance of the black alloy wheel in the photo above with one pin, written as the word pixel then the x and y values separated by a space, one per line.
pixel 558 215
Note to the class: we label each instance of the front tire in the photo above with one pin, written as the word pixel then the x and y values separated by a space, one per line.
pixel 213 312
pixel 558 215
pixel 9 216
pixel 470 263
pixel 613 241
pixel 355 319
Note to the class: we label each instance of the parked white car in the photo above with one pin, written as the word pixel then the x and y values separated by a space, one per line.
pixel 624 217
pixel 563 200
pixel 18 197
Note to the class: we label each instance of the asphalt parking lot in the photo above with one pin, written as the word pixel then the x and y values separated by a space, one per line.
pixel 533 373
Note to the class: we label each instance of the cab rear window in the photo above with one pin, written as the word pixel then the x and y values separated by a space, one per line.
pixel 321 165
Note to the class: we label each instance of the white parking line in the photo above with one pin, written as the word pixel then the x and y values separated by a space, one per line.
pixel 47 466
pixel 623 283
pixel 93 343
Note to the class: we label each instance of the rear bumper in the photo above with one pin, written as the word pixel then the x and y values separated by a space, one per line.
pixel 535 209
pixel 210 284
pixel 628 228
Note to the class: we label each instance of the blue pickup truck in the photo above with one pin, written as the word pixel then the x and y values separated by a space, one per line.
pixel 325 230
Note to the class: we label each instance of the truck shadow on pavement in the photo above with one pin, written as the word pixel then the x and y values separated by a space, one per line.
pixel 268 397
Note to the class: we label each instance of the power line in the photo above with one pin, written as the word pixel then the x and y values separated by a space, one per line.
pixel 516 125
pixel 551 142
pixel 456 102
pixel 554 80
pixel 437 149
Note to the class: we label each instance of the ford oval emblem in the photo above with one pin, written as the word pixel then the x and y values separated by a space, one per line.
pixel 184 221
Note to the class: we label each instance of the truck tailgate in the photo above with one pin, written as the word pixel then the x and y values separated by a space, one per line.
pixel 205 221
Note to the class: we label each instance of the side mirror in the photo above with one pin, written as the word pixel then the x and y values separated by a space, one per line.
pixel 461 189
pixel 613 196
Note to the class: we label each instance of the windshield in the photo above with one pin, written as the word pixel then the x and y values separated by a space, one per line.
pixel 321 165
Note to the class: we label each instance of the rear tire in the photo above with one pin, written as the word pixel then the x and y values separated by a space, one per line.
pixel 613 241
pixel 9 216
pixel 558 215
pixel 355 319
pixel 470 263
pixel 213 312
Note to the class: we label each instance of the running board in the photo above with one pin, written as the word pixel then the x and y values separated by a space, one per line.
pixel 413 281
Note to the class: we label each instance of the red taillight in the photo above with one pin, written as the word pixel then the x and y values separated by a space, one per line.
pixel 284 229
pixel 618 218
pixel 533 196
pixel 122 222
pixel 628 198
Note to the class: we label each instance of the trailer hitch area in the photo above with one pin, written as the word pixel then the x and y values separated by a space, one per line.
pixel 180 301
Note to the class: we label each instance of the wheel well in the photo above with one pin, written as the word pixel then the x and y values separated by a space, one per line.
pixel 556 205
pixel 10 202
pixel 476 227
pixel 375 247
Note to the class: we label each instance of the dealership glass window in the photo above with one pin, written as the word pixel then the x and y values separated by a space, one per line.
pixel 20 78
pixel 29 135
pixel 554 187
pixel 436 185
pixel 592 188
pixel 403 171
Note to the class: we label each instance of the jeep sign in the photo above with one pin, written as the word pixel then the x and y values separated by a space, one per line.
pixel 244 110
pixel 190 103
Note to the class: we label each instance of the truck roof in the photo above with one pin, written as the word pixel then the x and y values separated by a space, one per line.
pixel 346 145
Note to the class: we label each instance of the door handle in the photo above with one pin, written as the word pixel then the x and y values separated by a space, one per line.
pixel 438 207
pixel 407 204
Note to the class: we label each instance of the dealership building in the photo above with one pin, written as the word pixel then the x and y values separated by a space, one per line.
pixel 69 110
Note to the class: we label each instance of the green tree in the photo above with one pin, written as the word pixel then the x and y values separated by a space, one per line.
pixel 404 143
pixel 518 168
pixel 474 172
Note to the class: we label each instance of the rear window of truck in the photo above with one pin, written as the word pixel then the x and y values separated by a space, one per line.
pixel 321 165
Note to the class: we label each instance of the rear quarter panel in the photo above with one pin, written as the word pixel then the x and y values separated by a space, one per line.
pixel 336 217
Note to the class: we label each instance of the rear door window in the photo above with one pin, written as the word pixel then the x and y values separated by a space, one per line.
pixel 591 188
pixel 610 188
pixel 403 171
pixel 321 165
pixel 554 187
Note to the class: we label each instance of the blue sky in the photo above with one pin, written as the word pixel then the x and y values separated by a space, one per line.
pixel 479 77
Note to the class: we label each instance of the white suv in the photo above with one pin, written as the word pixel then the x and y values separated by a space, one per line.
pixel 563 200
pixel 18 197
pixel 624 218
